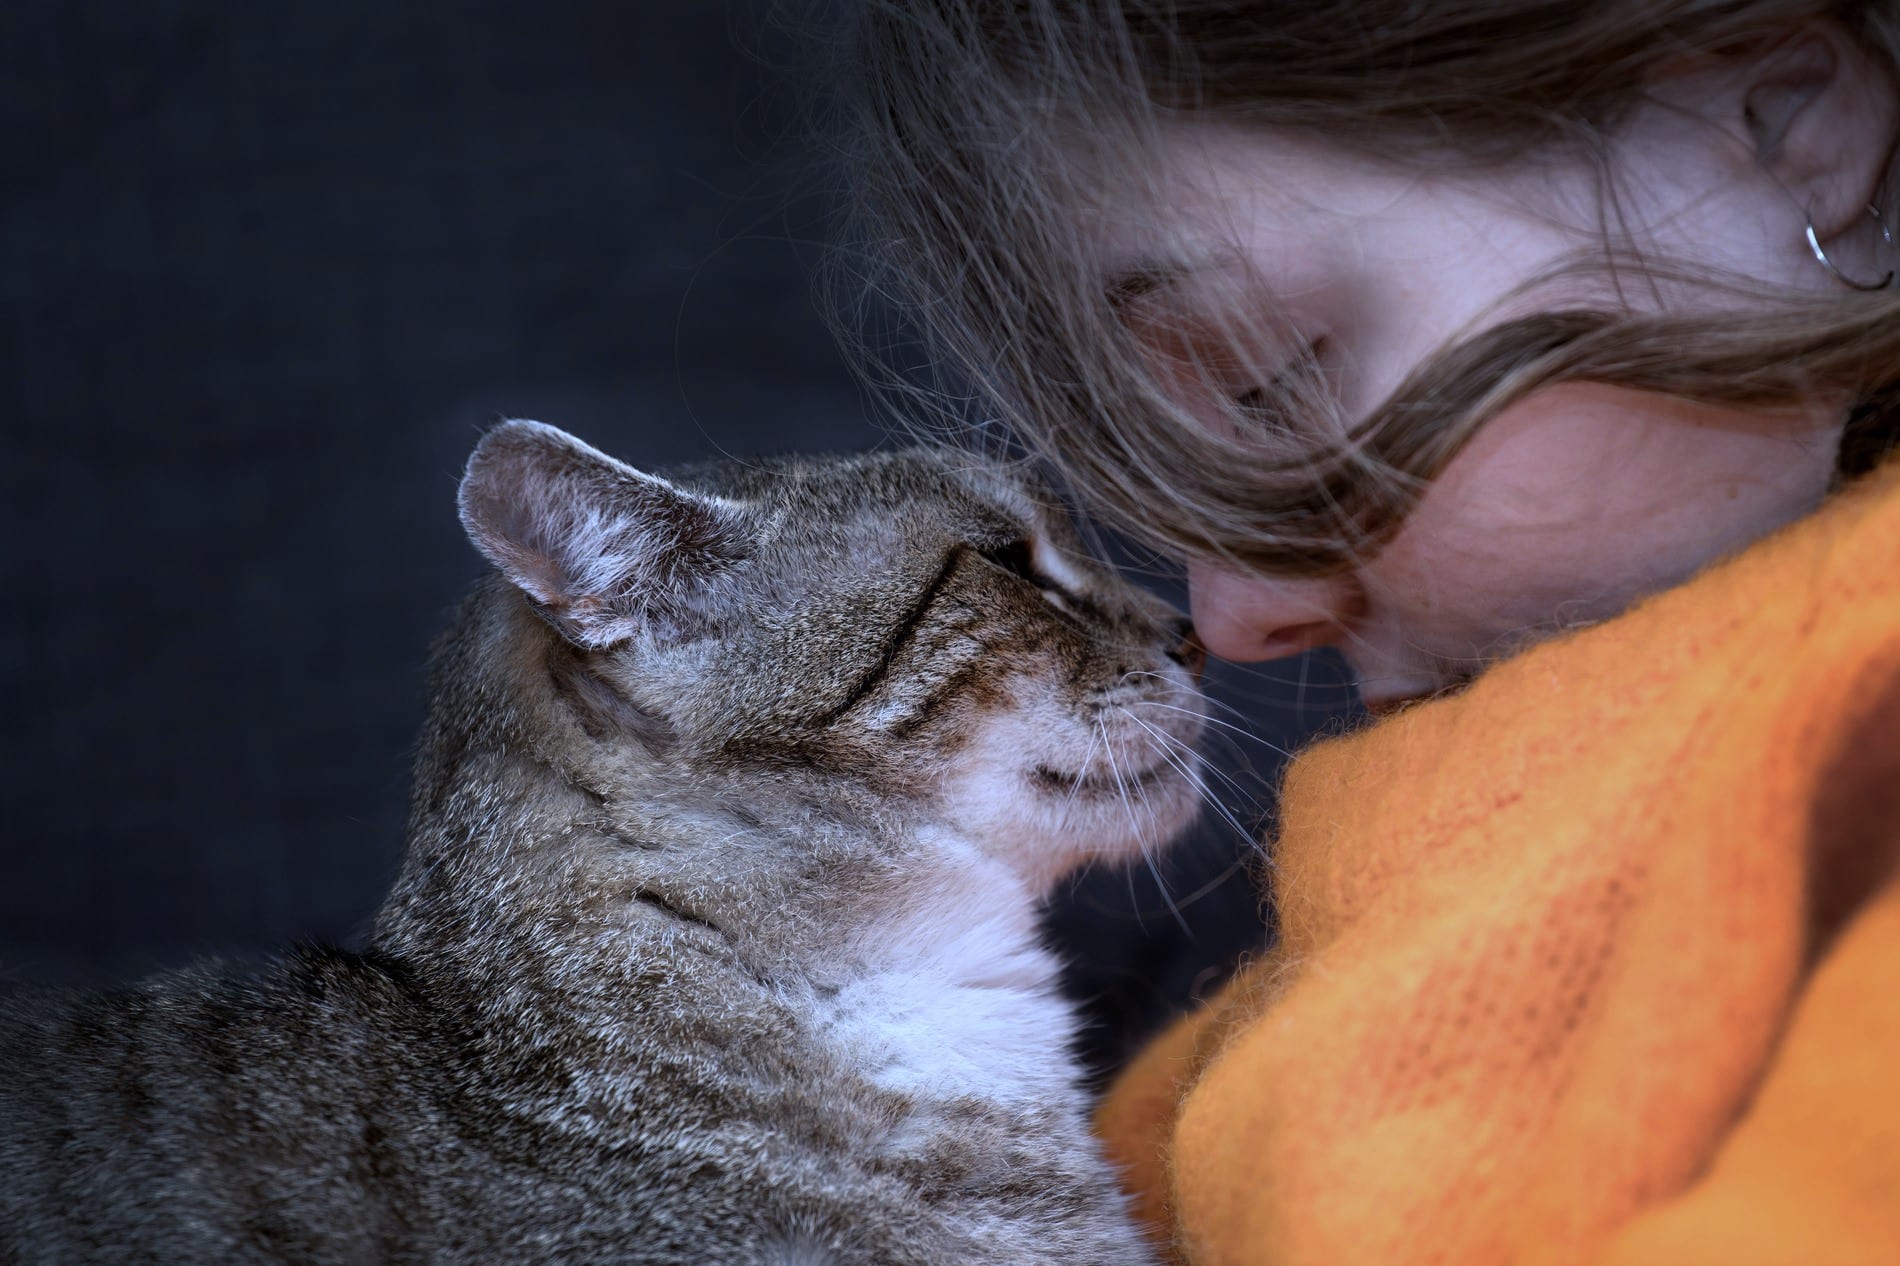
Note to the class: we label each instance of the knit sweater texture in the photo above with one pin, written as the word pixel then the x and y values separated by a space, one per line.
pixel 1597 962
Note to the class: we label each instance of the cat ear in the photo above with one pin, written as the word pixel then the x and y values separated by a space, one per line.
pixel 602 549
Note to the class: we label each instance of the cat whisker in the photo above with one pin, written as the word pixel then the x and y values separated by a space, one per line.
pixel 1142 843
pixel 1095 737
pixel 1165 744
pixel 1210 885
pixel 1227 736
pixel 1208 701
pixel 1238 789
pixel 1128 872
pixel 1240 730
pixel 1140 914
pixel 1236 772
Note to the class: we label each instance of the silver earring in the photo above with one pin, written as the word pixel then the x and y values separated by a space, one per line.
pixel 1886 235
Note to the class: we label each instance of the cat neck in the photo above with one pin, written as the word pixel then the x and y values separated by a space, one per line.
pixel 926 978
pixel 953 992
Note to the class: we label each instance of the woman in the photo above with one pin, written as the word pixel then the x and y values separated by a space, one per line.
pixel 1539 355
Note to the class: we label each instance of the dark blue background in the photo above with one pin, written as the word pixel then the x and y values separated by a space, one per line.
pixel 266 270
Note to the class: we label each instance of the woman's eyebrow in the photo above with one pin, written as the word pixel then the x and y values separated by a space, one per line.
pixel 1139 282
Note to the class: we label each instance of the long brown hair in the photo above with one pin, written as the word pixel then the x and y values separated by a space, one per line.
pixel 995 137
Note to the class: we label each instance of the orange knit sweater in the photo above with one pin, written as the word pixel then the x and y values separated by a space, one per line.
pixel 1598 962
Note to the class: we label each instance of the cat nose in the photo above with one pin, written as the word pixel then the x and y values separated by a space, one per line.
pixel 1187 650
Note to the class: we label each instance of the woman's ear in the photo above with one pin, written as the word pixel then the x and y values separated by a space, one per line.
pixel 1820 113
pixel 1812 109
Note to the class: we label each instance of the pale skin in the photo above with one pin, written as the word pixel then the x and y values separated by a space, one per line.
pixel 1580 498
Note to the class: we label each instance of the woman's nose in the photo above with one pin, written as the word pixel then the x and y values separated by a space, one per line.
pixel 1247 618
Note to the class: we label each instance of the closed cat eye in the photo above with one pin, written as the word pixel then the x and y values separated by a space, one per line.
pixel 1018 558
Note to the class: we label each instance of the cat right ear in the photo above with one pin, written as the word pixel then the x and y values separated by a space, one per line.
pixel 604 550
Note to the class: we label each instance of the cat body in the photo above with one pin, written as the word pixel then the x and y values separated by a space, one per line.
pixel 715 939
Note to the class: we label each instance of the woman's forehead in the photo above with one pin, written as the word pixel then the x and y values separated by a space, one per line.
pixel 1227 204
pixel 1283 215
pixel 1212 168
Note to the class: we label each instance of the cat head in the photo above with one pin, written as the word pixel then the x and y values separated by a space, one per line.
pixel 912 634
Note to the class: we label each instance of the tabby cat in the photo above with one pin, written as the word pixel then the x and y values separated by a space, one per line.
pixel 715 939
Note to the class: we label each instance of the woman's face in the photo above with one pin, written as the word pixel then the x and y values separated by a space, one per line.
pixel 1578 499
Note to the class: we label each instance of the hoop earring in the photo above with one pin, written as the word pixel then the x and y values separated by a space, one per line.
pixel 1886 235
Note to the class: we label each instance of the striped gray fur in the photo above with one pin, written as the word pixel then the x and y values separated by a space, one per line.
pixel 714 941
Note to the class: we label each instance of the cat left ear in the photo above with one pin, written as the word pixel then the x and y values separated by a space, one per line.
pixel 604 550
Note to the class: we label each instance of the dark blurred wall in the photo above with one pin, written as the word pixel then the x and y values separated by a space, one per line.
pixel 266 270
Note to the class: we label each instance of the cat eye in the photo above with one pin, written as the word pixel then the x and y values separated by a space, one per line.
pixel 1018 558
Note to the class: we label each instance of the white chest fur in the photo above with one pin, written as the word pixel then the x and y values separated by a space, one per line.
pixel 961 1001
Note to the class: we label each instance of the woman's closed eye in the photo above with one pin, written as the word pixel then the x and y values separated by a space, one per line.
pixel 1283 399
pixel 1261 402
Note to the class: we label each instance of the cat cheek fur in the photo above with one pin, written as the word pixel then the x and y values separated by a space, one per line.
pixel 1084 782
